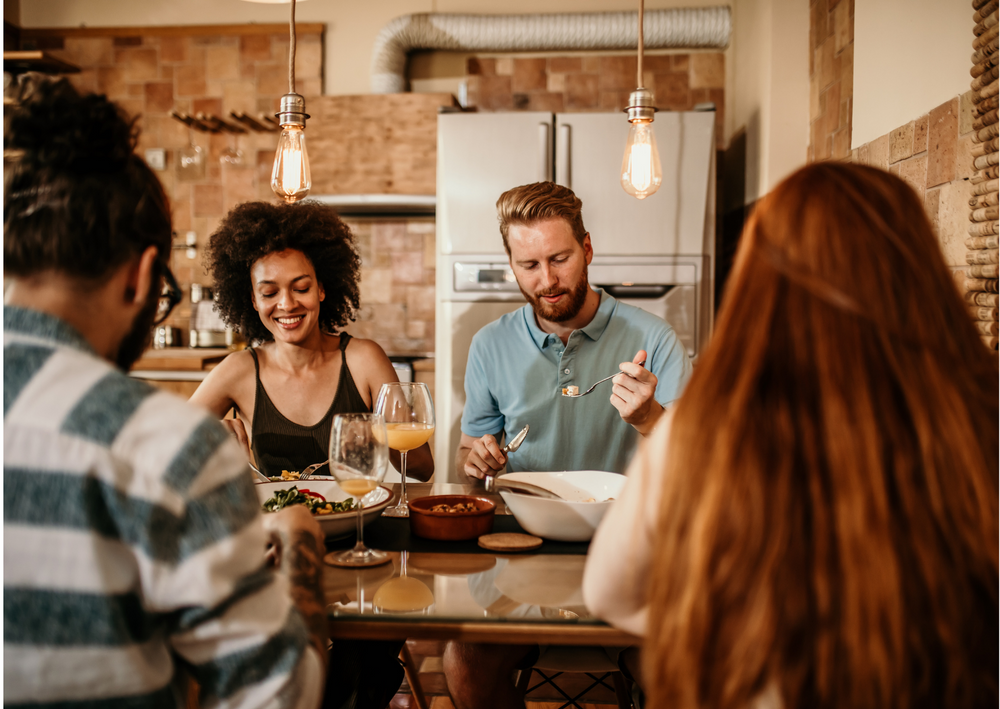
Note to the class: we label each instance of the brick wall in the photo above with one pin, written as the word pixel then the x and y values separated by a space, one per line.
pixel 934 154
pixel 581 83
pixel 831 78
pixel 397 283
pixel 150 72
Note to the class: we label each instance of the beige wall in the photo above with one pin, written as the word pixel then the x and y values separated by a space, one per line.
pixel 769 89
pixel 909 57
pixel 351 26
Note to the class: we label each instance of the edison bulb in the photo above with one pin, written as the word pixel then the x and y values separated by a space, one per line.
pixel 290 176
pixel 641 171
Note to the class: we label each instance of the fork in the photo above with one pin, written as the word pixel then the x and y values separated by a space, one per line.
pixel 311 469
pixel 302 476
pixel 489 482
pixel 565 390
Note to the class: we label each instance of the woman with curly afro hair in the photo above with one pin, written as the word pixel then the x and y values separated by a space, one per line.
pixel 286 278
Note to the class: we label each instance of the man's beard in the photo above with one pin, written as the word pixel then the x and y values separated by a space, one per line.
pixel 566 310
pixel 139 337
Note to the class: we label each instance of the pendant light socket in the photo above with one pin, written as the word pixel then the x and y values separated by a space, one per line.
pixel 640 106
pixel 292 111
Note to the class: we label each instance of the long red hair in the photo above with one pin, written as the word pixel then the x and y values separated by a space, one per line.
pixel 829 529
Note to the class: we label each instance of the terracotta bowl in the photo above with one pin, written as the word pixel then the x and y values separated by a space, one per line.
pixel 451 526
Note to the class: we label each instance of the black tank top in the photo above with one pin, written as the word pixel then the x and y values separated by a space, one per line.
pixel 280 444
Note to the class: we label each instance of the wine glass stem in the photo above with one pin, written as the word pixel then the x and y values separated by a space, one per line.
pixel 402 482
pixel 360 546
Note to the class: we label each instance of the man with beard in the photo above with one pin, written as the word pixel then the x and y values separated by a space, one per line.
pixel 134 545
pixel 567 335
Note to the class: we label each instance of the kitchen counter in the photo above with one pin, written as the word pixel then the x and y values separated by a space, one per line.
pixel 184 359
pixel 182 369
pixel 178 369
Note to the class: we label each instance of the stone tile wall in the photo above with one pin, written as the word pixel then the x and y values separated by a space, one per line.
pixel 831 78
pixel 157 70
pixel 934 154
pixel 151 74
pixel 580 83
pixel 397 283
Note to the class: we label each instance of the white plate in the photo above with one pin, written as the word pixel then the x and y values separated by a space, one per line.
pixel 570 519
pixel 338 524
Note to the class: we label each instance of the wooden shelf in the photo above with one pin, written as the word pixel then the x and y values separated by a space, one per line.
pixel 181 359
pixel 20 62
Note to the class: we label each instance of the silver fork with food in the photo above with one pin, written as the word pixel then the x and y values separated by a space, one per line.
pixel 574 391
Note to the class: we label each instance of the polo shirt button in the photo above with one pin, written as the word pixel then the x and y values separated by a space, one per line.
pixel 566 371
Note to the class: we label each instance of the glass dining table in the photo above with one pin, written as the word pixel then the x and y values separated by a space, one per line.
pixel 436 590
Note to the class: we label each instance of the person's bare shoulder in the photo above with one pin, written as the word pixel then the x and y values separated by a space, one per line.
pixel 370 367
pixel 238 366
pixel 228 383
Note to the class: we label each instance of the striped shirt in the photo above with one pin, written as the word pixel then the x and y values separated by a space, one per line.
pixel 133 544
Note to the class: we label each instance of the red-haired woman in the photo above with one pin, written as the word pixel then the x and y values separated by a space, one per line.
pixel 816 525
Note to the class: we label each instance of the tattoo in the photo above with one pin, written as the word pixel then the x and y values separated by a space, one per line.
pixel 301 562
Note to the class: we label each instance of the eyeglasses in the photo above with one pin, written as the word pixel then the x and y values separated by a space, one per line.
pixel 170 296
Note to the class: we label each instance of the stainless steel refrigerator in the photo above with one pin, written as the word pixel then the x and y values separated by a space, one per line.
pixel 657 253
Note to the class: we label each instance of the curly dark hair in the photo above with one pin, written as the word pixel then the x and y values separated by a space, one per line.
pixel 253 230
pixel 77 199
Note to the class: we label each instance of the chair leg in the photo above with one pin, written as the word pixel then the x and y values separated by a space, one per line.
pixel 621 691
pixel 413 677
pixel 523 678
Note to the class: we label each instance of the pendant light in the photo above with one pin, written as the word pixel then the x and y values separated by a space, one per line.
pixel 641 171
pixel 290 176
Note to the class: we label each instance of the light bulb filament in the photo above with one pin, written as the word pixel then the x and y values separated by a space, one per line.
pixel 641 172
pixel 290 178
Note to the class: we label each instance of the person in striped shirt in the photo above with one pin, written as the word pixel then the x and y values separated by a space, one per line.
pixel 134 547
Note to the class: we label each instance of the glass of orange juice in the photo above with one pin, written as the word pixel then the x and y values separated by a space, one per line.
pixel 409 423
pixel 358 459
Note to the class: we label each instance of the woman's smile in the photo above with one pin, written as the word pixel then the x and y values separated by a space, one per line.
pixel 290 322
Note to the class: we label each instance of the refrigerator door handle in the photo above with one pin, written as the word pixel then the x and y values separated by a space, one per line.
pixel 563 172
pixel 544 152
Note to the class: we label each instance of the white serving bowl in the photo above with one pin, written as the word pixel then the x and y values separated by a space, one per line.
pixel 570 519
pixel 338 524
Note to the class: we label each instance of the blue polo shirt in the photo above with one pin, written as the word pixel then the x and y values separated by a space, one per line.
pixel 516 373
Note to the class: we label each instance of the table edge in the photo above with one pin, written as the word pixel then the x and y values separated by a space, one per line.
pixel 480 632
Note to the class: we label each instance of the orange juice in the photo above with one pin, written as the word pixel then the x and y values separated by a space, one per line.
pixel 407 436
pixel 403 595
pixel 358 487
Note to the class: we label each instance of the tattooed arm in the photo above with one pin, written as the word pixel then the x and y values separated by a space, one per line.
pixel 298 553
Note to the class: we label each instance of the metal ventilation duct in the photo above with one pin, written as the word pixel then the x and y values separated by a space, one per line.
pixel 703 28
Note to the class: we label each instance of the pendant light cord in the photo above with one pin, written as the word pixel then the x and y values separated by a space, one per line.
pixel 638 75
pixel 291 51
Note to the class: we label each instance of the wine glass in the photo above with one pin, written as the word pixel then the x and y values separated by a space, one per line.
pixel 190 161
pixel 358 459
pixel 409 423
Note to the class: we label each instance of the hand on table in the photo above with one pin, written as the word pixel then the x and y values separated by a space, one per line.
pixel 485 458
pixel 632 394
pixel 236 429
pixel 290 528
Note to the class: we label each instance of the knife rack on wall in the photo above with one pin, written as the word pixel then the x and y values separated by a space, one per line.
pixel 240 123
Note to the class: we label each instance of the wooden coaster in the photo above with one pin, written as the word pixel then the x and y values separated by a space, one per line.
pixel 332 560
pixel 508 541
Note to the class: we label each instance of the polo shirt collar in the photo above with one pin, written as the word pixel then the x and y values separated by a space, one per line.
pixel 594 329
pixel 36 324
